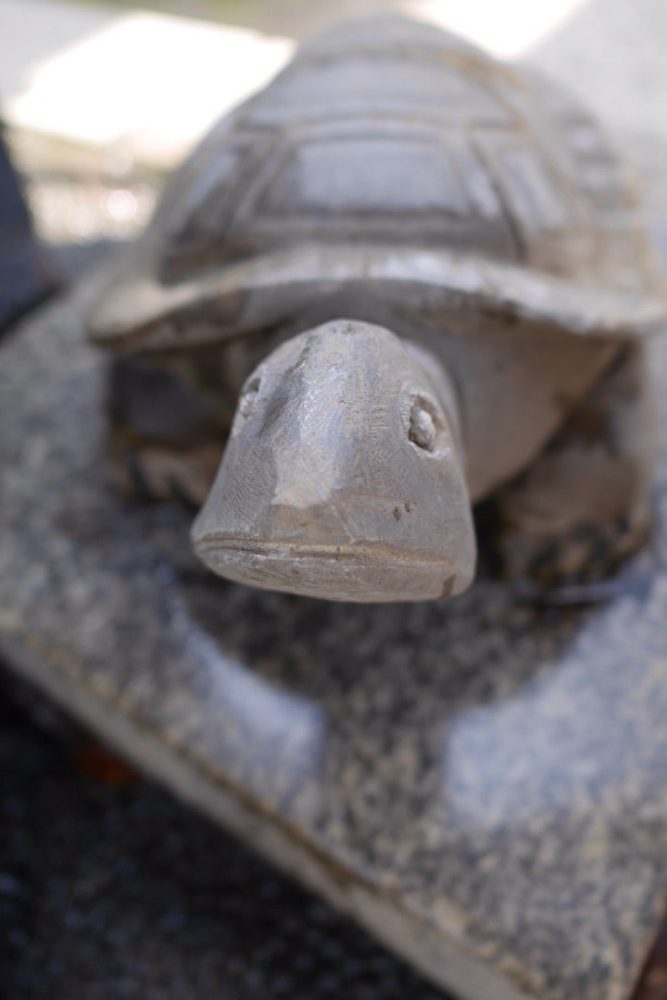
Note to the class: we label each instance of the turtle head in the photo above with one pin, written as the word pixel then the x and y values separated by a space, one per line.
pixel 342 477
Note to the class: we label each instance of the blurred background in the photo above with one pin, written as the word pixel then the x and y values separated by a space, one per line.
pixel 101 100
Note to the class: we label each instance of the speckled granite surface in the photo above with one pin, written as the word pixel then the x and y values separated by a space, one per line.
pixel 483 785
pixel 123 894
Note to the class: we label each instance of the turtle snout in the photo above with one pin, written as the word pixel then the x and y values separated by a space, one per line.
pixel 340 479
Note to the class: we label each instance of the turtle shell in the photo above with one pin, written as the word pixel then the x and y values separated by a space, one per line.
pixel 390 160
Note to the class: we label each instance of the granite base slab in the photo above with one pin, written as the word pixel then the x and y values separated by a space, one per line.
pixel 482 784
pixel 121 892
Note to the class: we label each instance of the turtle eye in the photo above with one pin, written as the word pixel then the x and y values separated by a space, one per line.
pixel 426 425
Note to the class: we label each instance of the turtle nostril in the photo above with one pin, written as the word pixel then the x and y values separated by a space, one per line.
pixel 425 424
pixel 249 394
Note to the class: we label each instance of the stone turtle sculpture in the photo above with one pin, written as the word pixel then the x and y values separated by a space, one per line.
pixel 422 275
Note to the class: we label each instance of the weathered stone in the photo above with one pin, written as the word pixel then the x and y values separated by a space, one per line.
pixel 483 784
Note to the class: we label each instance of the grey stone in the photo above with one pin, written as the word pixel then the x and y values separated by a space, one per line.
pixel 102 900
pixel 392 189
pixel 482 785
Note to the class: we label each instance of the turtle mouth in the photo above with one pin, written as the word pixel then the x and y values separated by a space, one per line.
pixel 371 572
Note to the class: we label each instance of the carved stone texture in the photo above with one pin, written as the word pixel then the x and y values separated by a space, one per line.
pixel 426 276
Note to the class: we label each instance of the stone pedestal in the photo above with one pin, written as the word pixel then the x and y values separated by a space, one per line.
pixel 483 784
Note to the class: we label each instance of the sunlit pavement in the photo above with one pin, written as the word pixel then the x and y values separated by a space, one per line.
pixel 138 85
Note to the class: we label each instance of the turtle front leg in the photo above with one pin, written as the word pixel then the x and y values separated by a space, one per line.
pixel 583 506
pixel 147 471
pixel 169 419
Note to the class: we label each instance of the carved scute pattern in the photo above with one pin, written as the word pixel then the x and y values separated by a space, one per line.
pixel 414 139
